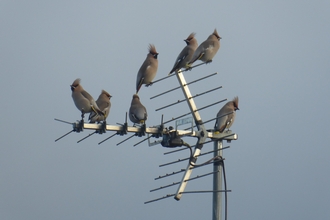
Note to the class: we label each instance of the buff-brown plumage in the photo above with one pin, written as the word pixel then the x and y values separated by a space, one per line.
pixel 207 50
pixel 104 104
pixel 186 54
pixel 137 111
pixel 226 116
pixel 148 70
pixel 83 100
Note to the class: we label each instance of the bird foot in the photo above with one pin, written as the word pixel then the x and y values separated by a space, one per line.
pixel 209 61
pixel 103 128
pixel 188 67
pixel 142 131
pixel 123 131
pixel 80 126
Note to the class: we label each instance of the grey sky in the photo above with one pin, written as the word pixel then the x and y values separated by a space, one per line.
pixel 274 55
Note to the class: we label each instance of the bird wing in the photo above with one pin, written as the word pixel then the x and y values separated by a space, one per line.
pixel 142 74
pixel 103 105
pixel 183 54
pixel 221 122
pixel 87 95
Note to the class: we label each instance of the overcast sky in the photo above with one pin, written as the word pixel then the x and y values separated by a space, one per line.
pixel 274 55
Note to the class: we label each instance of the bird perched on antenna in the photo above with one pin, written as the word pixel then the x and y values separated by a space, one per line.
pixel 226 116
pixel 83 100
pixel 186 54
pixel 148 70
pixel 104 104
pixel 207 50
pixel 137 112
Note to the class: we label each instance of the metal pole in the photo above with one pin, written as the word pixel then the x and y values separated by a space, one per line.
pixel 217 183
pixel 201 128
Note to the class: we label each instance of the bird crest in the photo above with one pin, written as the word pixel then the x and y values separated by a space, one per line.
pixel 152 49
pixel 215 33
pixel 106 93
pixel 235 102
pixel 76 82
pixel 191 36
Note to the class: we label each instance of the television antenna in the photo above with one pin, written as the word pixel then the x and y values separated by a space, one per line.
pixel 172 138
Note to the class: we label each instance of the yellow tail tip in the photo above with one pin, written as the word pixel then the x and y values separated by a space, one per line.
pixel 188 65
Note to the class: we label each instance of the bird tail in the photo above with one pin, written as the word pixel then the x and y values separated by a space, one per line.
pixel 139 85
pixel 98 111
pixel 174 69
pixel 92 115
